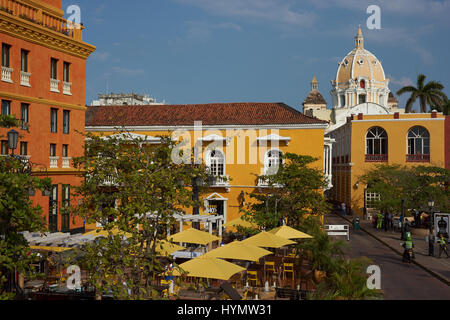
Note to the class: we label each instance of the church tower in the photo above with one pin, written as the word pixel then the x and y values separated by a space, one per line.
pixel 314 104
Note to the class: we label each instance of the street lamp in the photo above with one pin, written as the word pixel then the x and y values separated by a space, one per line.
pixel 431 237
pixel 13 137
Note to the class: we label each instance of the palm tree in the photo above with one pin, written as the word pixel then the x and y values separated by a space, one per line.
pixel 444 108
pixel 428 94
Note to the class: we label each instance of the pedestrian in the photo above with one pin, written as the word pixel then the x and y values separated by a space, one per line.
pixel 390 221
pixel 379 221
pixel 408 245
pixel 442 246
pixel 343 208
pixel 386 221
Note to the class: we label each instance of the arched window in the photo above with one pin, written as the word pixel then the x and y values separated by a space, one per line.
pixel 418 144
pixel 216 163
pixel 272 161
pixel 376 145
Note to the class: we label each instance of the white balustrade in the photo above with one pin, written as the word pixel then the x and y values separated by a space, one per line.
pixel 25 79
pixel 54 85
pixel 7 74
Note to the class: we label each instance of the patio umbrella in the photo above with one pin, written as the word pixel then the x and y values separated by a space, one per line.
pixel 239 251
pixel 165 248
pixel 193 236
pixel 102 232
pixel 210 268
pixel 267 240
pixel 242 223
pixel 289 233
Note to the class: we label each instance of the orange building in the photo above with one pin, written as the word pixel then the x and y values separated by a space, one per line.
pixel 43 83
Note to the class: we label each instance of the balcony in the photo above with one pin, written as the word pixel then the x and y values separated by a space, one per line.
pixel 54 85
pixel 7 74
pixel 25 79
pixel 265 183
pixel 67 88
pixel 66 162
pixel 54 162
pixel 43 18
pixel 376 158
pixel 221 181
pixel 418 158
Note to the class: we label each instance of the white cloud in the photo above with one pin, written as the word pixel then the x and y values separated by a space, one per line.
pixel 100 56
pixel 202 31
pixel 402 82
pixel 128 72
pixel 277 11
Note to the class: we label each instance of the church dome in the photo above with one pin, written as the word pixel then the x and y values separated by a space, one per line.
pixel 360 68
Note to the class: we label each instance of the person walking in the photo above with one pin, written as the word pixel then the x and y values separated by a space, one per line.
pixel 379 221
pixel 343 209
pixel 442 246
pixel 408 245
pixel 385 221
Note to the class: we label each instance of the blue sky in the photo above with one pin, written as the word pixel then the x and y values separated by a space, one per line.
pixel 202 51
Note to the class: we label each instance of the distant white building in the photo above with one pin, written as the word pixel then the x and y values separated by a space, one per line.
pixel 124 99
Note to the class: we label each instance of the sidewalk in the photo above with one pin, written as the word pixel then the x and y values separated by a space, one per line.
pixel 440 268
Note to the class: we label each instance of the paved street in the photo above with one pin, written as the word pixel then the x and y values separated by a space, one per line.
pixel 398 280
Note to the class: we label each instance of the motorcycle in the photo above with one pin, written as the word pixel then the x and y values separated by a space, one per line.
pixel 408 255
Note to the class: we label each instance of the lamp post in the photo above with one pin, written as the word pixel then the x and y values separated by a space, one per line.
pixel 431 237
pixel 402 219
pixel 13 137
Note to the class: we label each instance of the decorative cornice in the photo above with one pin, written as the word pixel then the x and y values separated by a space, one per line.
pixel 35 33
pixel 19 97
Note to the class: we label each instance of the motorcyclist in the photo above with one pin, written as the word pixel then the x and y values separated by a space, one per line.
pixel 408 245
pixel 442 245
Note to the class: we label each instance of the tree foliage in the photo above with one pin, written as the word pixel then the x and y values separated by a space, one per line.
pixel 17 214
pixel 135 188
pixel 430 94
pixel 415 184
pixel 295 191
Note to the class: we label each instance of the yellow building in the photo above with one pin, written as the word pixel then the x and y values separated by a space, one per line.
pixel 367 140
pixel 238 141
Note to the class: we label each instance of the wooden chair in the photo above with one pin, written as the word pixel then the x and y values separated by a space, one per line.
pixel 288 268
pixel 270 266
pixel 252 276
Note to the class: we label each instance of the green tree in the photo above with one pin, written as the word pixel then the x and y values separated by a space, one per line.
pixel 428 94
pixel 295 192
pixel 414 184
pixel 135 188
pixel 444 108
pixel 17 214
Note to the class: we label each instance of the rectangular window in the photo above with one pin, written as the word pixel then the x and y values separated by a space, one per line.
pixel 24 115
pixel 23 148
pixel 66 204
pixel 66 121
pixel 6 48
pixel 53 209
pixel 66 75
pixel 6 107
pixel 4 150
pixel 54 120
pixel 52 150
pixel 65 151
pixel 54 69
pixel 24 61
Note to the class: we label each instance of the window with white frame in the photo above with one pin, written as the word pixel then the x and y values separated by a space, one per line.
pixel 418 141
pixel 216 163
pixel 376 141
pixel 371 199
pixel 272 161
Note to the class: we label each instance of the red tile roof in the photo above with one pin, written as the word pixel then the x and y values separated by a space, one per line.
pixel 247 113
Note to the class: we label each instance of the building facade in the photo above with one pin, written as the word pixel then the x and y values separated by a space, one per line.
pixel 239 141
pixel 360 86
pixel 125 99
pixel 367 140
pixel 43 83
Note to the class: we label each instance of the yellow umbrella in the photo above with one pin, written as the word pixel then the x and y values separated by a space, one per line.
pixel 54 249
pixel 193 236
pixel 267 240
pixel 103 232
pixel 165 248
pixel 210 268
pixel 238 251
pixel 289 233
pixel 242 223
